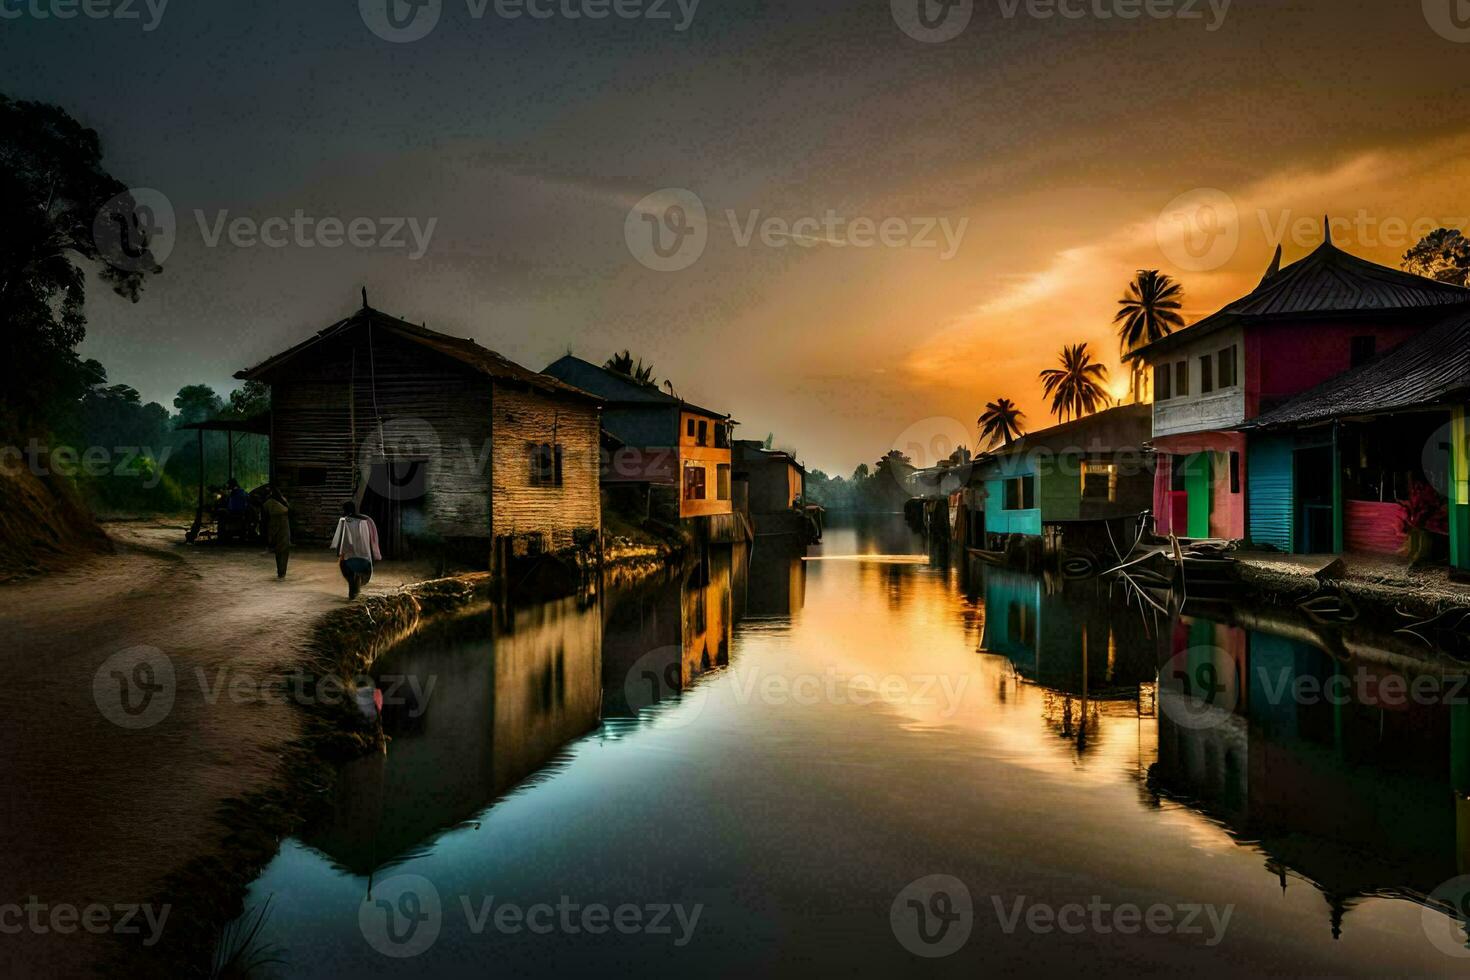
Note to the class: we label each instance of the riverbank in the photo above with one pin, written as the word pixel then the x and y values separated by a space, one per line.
pixel 103 806
pixel 1382 582
pixel 183 808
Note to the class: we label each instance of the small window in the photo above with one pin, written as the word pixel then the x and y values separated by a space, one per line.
pixel 702 438
pixel 1363 349
pixel 546 465
pixel 1234 472
pixel 1163 389
pixel 689 428
pixel 1206 374
pixel 1021 493
pixel 1181 379
pixel 1226 366
pixel 311 476
pixel 722 481
pixel 694 483
pixel 1099 481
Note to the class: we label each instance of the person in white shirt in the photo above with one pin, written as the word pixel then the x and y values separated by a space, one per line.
pixel 356 542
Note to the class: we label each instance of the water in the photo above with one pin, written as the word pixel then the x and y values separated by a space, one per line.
pixel 745 771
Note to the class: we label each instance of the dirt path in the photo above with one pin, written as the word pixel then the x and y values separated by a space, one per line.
pixel 97 811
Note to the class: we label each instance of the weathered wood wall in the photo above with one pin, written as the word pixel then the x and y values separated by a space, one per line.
pixel 326 406
pixel 524 419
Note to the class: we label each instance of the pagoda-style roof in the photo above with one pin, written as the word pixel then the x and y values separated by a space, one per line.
pixel 1328 282
pixel 1426 371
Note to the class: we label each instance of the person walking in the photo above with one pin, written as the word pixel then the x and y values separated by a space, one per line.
pixel 356 542
pixel 277 528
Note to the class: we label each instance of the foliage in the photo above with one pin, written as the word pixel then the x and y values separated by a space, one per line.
pixel 1425 510
pixel 1079 386
pixel 52 191
pixel 1002 423
pixel 623 363
pixel 1443 254
pixel 1148 311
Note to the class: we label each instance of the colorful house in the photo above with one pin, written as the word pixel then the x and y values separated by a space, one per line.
pixel 669 447
pixel 1302 325
pixel 1089 470
pixel 443 443
pixel 1332 468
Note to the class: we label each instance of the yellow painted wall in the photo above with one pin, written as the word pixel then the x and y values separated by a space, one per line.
pixel 706 457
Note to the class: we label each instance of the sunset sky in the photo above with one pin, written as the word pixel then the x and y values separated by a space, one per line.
pixel 1057 144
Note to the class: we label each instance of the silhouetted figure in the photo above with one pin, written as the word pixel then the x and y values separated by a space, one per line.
pixel 277 528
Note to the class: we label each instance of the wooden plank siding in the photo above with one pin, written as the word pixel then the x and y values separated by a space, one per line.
pixel 1374 527
pixel 524 419
pixel 458 423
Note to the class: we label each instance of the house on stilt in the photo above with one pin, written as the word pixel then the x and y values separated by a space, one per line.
pixel 1302 325
pixel 448 446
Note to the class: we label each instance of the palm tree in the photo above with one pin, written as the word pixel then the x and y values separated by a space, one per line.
pixel 1148 311
pixel 1001 423
pixel 623 364
pixel 1079 386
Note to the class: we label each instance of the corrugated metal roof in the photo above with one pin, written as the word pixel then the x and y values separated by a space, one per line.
pixel 1427 370
pixel 463 350
pixel 1328 281
pixel 618 389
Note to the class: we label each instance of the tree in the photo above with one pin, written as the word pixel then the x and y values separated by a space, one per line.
pixel 1443 254
pixel 1079 386
pixel 1148 311
pixel 196 403
pixel 623 363
pixel 1000 424
pixel 53 194
pixel 249 400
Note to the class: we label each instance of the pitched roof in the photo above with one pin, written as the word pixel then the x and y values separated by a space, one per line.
pixel 463 350
pixel 616 388
pixel 1427 370
pixel 1123 427
pixel 1328 281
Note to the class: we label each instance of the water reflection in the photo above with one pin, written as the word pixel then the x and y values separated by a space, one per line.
pixel 791 740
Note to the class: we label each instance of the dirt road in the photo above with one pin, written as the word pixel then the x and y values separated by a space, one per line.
pixel 108 787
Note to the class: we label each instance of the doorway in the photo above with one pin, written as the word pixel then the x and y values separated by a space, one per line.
pixel 1314 474
pixel 393 496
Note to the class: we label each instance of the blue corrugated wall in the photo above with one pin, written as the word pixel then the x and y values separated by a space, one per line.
pixel 1269 477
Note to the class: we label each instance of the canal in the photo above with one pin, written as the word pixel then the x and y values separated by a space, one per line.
pixel 874 760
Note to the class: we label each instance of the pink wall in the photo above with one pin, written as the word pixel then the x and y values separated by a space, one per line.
pixel 1288 358
pixel 1368 525
pixel 1227 510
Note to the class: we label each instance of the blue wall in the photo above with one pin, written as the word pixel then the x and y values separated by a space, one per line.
pixel 1269 478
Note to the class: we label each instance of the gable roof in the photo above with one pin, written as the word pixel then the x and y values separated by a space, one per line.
pixel 463 350
pixel 1328 281
pixel 616 388
pixel 1428 370
pixel 1122 427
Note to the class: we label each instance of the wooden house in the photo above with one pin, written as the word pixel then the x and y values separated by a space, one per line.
pixel 668 446
pixel 1086 471
pixel 1332 468
pixel 1300 326
pixel 442 442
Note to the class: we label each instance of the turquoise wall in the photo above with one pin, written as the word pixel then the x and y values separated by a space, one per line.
pixel 1270 491
pixel 998 520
